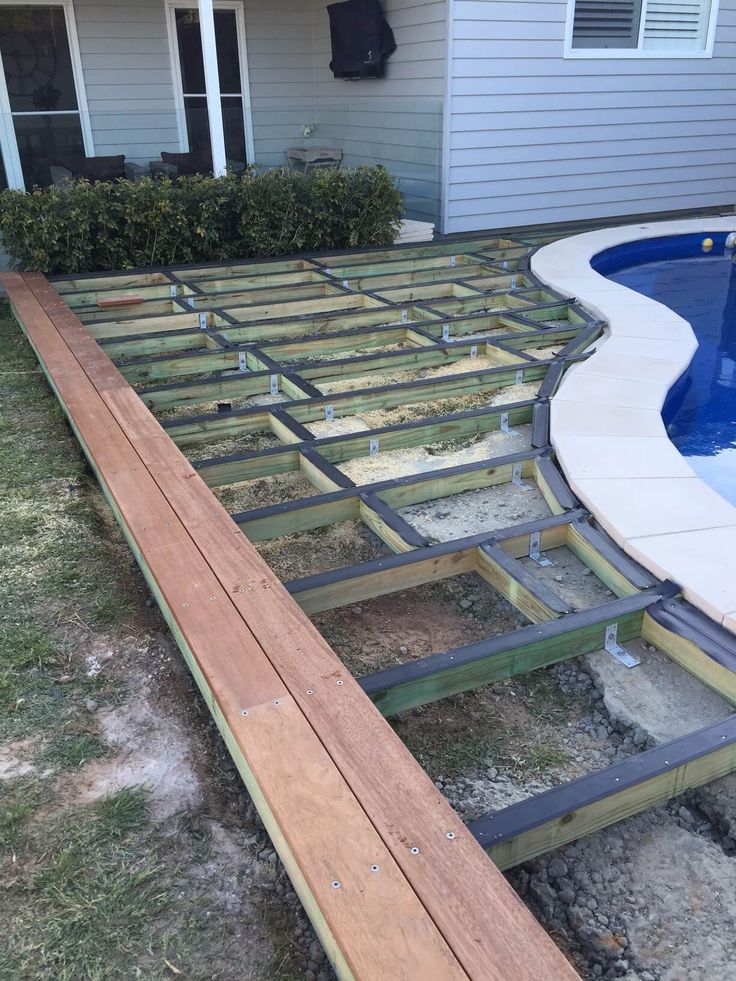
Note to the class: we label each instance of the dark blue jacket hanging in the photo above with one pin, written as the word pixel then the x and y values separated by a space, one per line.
pixel 361 39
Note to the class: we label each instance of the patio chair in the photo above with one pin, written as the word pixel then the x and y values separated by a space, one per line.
pixel 97 169
pixel 186 164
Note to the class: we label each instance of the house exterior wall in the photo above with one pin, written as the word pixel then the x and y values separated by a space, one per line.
pixel 395 121
pixel 533 137
pixel 124 51
pixel 281 69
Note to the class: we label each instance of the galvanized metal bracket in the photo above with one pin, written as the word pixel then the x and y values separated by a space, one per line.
pixel 191 301
pixel 404 316
pixel 274 384
pixel 329 412
pixel 203 321
pixel 242 361
pixel 516 477
pixel 519 376
pixel 473 350
pixel 613 647
pixel 505 428
pixel 173 290
pixel 373 447
pixel 445 332
pixel 535 549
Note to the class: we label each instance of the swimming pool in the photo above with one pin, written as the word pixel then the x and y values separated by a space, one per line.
pixel 700 412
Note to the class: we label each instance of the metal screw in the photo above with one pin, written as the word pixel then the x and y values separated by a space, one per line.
pixel 277 701
pixel 244 711
pixel 414 850
pixel 374 868
pixel 339 682
pixel 185 604
pixel 336 884
pixel 450 835
pixel 310 691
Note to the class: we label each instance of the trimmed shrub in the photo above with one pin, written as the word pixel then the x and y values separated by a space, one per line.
pixel 81 227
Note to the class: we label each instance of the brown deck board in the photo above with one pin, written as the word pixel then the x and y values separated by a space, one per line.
pixel 444 912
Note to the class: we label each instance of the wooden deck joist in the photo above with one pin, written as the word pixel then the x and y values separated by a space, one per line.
pixel 394 884
pixel 545 821
pixel 431 678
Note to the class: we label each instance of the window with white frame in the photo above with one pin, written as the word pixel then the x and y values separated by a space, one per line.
pixel 646 27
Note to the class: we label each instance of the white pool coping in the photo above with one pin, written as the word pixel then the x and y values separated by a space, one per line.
pixel 607 429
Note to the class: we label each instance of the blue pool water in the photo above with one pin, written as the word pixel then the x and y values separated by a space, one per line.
pixel 700 413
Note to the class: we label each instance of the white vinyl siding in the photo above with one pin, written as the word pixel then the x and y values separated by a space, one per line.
pixel 533 137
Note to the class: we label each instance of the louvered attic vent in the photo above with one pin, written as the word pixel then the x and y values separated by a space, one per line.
pixel 606 23
pixel 645 24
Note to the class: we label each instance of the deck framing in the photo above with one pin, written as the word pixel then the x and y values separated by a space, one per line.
pixel 306 736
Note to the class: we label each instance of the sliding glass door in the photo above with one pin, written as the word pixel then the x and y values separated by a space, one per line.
pixel 42 124
pixel 230 42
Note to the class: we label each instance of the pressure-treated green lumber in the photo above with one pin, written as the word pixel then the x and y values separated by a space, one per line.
pixel 219 471
pixel 196 428
pixel 432 678
pixel 274 521
pixel 546 821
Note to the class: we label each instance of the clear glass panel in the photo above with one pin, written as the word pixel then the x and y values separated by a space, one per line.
pixel 190 51
pixel 36 59
pixel 234 126
pixel 47 141
pixel 228 56
pixel 198 129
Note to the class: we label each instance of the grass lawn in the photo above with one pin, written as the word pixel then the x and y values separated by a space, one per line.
pixel 116 859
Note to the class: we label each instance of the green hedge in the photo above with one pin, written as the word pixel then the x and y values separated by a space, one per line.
pixel 82 227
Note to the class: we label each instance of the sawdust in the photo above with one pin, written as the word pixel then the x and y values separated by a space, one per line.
pixel 461 366
pixel 367 350
pixel 196 408
pixel 342 426
pixel 421 459
pixel 515 393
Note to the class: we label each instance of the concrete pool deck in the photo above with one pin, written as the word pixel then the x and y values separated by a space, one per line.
pixel 607 428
